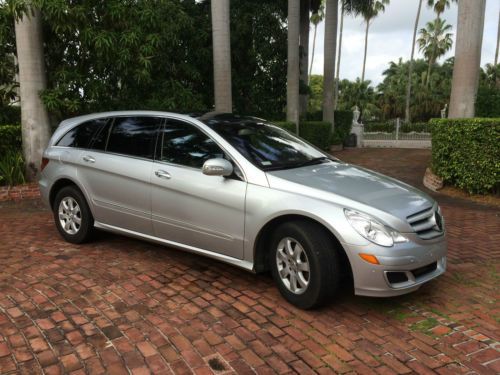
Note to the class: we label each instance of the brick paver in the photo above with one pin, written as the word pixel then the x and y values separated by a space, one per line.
pixel 118 305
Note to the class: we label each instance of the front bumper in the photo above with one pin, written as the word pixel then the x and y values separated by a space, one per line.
pixel 403 268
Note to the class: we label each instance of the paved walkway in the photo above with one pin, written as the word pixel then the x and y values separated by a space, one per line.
pixel 123 306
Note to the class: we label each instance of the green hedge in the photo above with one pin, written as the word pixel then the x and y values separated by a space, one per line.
pixel 10 138
pixel 343 126
pixel 319 132
pixel 488 102
pixel 466 153
pixel 315 132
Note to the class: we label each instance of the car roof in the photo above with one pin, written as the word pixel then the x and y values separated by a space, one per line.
pixel 213 118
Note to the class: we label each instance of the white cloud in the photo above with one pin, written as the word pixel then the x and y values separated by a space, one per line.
pixel 390 38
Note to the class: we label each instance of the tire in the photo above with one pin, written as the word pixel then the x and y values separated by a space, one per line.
pixel 318 250
pixel 70 207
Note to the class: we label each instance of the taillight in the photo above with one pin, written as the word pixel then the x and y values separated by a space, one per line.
pixel 44 163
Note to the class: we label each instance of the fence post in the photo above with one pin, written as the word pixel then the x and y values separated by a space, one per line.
pixel 397 129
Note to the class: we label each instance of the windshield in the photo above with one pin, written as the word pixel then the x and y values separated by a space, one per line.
pixel 267 146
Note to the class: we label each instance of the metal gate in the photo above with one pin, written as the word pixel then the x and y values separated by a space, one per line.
pixel 398 135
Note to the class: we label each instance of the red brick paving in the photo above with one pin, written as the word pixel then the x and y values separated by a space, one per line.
pixel 118 305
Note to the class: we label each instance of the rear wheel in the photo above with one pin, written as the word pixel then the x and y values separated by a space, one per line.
pixel 72 215
pixel 304 263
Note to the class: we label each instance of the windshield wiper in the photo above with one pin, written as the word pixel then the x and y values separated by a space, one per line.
pixel 312 161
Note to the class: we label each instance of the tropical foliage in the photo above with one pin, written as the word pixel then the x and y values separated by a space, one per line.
pixel 434 41
pixel 106 55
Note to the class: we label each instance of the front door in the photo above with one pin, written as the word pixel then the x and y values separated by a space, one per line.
pixel 188 207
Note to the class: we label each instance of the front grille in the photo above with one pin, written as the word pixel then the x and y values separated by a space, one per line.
pixel 427 224
pixel 424 270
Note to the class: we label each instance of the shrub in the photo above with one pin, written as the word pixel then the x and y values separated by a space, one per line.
pixel 384 127
pixel 10 138
pixel 466 153
pixel 488 102
pixel 10 114
pixel 315 132
pixel 11 168
pixel 343 126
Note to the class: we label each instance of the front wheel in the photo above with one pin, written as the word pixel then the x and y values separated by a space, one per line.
pixel 72 215
pixel 304 263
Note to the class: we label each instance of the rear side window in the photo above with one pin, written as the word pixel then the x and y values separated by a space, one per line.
pixel 81 135
pixel 134 136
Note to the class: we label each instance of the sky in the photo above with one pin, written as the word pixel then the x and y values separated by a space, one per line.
pixel 390 38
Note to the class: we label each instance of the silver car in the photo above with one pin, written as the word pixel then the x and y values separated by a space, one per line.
pixel 245 192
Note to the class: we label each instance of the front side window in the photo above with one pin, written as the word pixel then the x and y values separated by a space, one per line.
pixel 81 136
pixel 267 146
pixel 134 136
pixel 184 144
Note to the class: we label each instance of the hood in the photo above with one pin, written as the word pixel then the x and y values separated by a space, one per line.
pixel 360 185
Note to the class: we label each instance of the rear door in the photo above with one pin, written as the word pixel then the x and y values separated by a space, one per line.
pixel 188 207
pixel 116 172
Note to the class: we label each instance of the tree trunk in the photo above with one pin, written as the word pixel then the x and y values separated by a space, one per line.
pixel 498 41
pixel 410 69
pixel 305 5
pixel 222 55
pixel 465 80
pixel 293 71
pixel 312 52
pixel 331 20
pixel 337 74
pixel 366 50
pixel 429 67
pixel 32 80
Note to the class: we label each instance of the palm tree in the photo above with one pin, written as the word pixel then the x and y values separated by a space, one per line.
pixel 32 81
pixel 293 70
pixel 222 55
pixel 440 6
pixel 337 74
pixel 305 6
pixel 410 69
pixel 465 80
pixel 371 11
pixel 316 18
pixel 434 42
pixel 498 41
pixel 331 20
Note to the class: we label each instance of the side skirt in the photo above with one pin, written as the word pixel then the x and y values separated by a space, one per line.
pixel 248 266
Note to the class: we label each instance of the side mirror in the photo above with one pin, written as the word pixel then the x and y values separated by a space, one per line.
pixel 217 167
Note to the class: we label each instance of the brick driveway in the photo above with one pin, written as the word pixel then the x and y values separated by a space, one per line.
pixel 119 305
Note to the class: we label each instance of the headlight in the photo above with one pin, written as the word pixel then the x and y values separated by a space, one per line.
pixel 372 230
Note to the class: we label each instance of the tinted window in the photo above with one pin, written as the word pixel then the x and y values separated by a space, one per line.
pixel 265 145
pixel 81 135
pixel 101 137
pixel 184 144
pixel 134 136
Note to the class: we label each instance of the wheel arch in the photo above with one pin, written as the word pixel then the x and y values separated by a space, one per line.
pixel 261 252
pixel 61 183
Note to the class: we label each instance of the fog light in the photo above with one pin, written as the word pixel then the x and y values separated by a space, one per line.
pixel 369 258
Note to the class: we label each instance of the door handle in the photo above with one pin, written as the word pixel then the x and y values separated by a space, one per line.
pixel 88 159
pixel 163 174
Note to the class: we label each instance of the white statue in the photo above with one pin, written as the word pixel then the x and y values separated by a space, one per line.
pixel 443 111
pixel 355 115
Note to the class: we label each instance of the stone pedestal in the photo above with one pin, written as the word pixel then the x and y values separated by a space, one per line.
pixel 358 130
